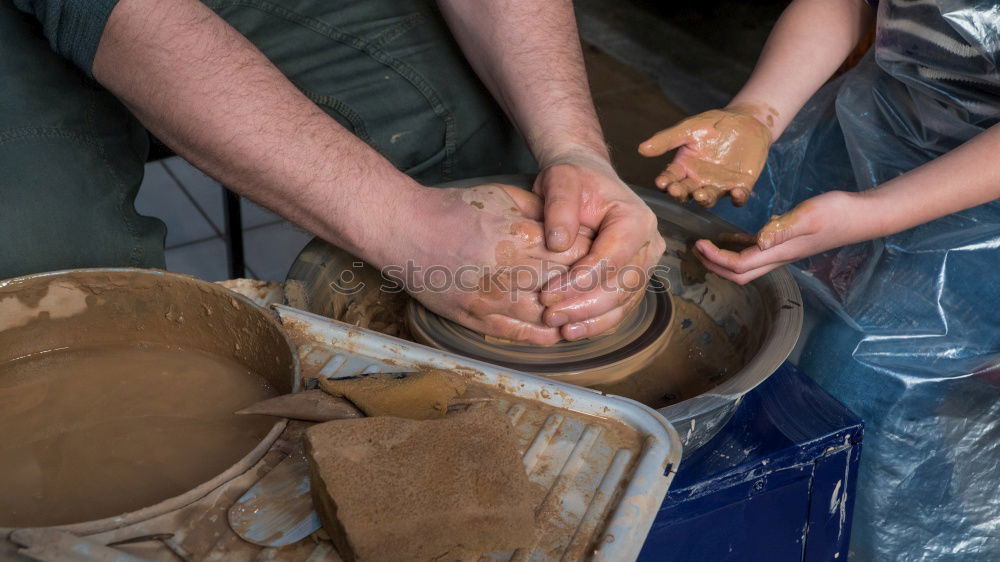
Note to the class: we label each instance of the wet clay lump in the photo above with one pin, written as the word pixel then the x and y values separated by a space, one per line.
pixel 389 489
pixel 94 432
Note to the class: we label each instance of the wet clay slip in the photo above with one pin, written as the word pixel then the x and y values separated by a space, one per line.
pixel 118 392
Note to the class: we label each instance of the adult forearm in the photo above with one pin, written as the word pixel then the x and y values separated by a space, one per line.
pixel 807 45
pixel 210 95
pixel 961 179
pixel 528 54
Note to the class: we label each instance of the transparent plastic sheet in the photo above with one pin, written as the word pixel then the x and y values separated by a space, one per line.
pixel 907 330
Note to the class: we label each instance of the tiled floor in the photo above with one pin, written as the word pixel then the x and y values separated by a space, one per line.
pixel 191 204
pixel 629 103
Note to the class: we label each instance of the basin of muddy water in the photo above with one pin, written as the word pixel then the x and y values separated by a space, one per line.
pixel 724 339
pixel 118 390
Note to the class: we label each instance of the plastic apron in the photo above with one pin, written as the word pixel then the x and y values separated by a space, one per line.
pixel 907 329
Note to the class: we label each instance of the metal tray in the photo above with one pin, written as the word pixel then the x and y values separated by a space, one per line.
pixel 606 461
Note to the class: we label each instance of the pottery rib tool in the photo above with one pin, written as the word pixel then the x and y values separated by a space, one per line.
pixel 428 394
pixel 278 509
pixel 311 405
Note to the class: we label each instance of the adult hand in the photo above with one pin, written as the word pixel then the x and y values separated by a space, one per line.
pixel 478 256
pixel 580 189
pixel 827 221
pixel 721 151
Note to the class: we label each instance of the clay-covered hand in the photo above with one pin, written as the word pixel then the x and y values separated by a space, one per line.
pixel 721 151
pixel 478 256
pixel 581 189
pixel 830 220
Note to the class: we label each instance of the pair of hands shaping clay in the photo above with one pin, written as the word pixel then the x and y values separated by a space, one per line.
pixel 489 275
pixel 567 261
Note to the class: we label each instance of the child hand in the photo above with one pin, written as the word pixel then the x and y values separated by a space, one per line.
pixel 721 151
pixel 827 221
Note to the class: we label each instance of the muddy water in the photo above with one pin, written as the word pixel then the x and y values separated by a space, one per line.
pixel 698 357
pixel 94 432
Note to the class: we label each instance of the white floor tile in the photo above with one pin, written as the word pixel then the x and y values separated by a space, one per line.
pixel 206 260
pixel 255 215
pixel 270 250
pixel 208 193
pixel 161 197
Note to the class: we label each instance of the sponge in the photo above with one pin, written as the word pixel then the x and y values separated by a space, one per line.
pixel 398 489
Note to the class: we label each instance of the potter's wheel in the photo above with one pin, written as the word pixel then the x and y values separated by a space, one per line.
pixel 604 359
pixel 762 318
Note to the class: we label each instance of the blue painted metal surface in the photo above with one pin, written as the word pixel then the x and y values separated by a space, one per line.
pixel 777 483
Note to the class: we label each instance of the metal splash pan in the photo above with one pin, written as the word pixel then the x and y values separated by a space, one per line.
pixel 605 462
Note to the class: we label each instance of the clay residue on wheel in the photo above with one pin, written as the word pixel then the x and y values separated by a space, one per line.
pixel 693 356
pixel 699 356
pixel 632 345
pixel 363 303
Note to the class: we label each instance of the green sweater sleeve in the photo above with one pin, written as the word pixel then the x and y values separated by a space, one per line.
pixel 73 27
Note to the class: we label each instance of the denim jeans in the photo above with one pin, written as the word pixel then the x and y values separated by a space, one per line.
pixel 72 156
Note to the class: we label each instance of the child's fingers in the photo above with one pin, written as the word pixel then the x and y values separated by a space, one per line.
pixel 739 278
pixel 665 141
pixel 739 196
pixel 708 195
pixel 683 189
pixel 746 260
pixel 779 230
pixel 674 173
